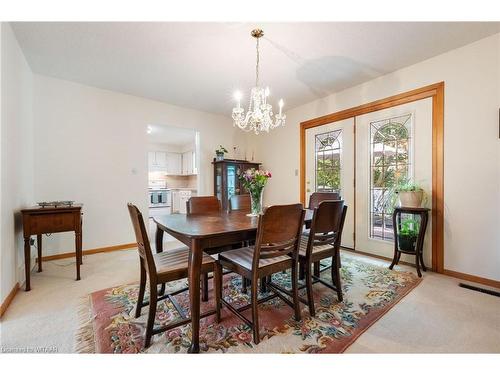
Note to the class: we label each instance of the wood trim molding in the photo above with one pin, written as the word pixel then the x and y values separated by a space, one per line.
pixel 381 257
pixel 434 91
pixel 8 299
pixel 90 251
pixel 472 278
pixel 455 274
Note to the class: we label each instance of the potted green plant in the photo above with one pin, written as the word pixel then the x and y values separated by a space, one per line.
pixel 219 153
pixel 407 235
pixel 409 193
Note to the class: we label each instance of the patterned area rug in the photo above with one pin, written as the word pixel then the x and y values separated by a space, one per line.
pixel 109 326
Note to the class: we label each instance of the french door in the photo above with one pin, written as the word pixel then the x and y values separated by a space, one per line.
pixel 392 145
pixel 363 158
pixel 330 167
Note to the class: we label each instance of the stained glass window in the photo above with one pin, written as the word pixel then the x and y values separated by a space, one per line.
pixel 328 147
pixel 391 144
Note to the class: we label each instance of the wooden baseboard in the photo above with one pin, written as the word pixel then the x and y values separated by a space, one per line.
pixel 90 251
pixel 458 275
pixel 381 257
pixel 473 278
pixel 8 300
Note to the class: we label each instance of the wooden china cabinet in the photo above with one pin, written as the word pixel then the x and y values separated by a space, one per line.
pixel 226 181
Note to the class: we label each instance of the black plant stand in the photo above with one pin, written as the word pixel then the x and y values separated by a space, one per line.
pixel 396 223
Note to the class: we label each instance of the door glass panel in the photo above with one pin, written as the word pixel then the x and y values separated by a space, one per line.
pixel 328 147
pixel 390 163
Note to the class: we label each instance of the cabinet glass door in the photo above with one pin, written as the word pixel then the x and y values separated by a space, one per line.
pixel 232 180
pixel 218 181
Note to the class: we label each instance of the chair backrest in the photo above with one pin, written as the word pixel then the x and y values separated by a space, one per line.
pixel 203 205
pixel 240 202
pixel 278 232
pixel 141 236
pixel 316 198
pixel 327 225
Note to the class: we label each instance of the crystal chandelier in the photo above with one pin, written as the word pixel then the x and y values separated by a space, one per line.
pixel 259 116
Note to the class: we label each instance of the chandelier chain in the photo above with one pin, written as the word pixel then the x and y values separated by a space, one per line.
pixel 257 65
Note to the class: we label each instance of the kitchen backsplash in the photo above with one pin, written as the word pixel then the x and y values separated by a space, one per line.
pixel 175 181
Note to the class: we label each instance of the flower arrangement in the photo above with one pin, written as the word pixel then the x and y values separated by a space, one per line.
pixel 254 181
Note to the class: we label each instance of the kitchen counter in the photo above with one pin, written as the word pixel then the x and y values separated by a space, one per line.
pixel 183 188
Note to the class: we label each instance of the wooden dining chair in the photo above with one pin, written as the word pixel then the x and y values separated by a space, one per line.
pixel 314 200
pixel 203 205
pixel 276 249
pixel 323 241
pixel 240 202
pixel 162 268
pixel 319 196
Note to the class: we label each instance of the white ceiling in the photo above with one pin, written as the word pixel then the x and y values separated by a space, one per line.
pixel 200 65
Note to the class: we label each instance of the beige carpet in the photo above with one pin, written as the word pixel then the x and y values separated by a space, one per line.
pixel 436 317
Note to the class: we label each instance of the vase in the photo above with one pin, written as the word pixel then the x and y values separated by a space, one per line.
pixel 411 198
pixel 255 202
pixel 219 156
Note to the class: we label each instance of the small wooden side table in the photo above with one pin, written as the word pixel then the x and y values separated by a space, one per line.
pixel 51 219
pixel 396 223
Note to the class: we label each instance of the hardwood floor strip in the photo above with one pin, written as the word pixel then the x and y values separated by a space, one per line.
pixel 90 251
pixel 478 289
pixel 8 299
pixel 455 274
pixel 473 278
pixel 380 257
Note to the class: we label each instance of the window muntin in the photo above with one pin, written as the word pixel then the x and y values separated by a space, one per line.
pixel 328 148
pixel 390 148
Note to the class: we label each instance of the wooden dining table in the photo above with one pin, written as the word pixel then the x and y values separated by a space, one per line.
pixel 200 232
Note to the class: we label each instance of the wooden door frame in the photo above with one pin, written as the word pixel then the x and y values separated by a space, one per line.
pixel 434 91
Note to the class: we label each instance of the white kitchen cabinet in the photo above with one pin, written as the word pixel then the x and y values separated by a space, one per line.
pixel 161 159
pixel 174 163
pixel 151 160
pixel 188 163
pixel 157 160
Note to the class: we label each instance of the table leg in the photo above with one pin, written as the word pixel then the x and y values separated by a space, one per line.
pixel 195 257
pixel 159 249
pixel 316 269
pixel 424 268
pixel 394 259
pixel 159 240
pixel 302 271
pixel 78 251
pixel 27 262
pixel 81 245
pixel 39 246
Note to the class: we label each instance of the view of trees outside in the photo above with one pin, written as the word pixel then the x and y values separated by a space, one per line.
pixel 328 148
pixel 390 164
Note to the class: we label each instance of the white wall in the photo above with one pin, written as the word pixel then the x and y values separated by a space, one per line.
pixel 16 157
pixel 472 147
pixel 92 148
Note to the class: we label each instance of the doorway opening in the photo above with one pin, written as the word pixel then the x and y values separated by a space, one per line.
pixel 173 171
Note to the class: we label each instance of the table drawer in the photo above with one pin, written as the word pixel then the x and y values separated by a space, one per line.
pixel 52 223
